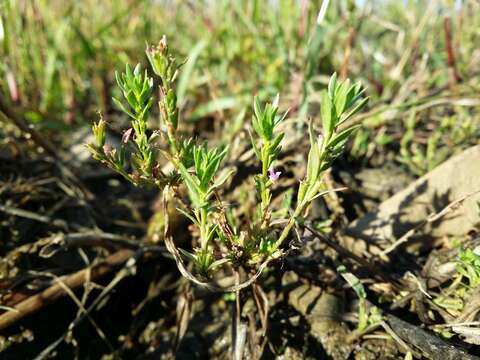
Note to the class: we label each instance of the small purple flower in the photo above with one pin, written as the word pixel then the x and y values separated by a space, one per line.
pixel 273 175
pixel 126 135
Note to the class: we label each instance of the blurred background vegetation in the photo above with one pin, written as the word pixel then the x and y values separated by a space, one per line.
pixel 419 60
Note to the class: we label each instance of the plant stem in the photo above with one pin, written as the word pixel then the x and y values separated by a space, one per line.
pixel 203 228
pixel 362 315
pixel 172 139
pixel 264 192
pixel 297 213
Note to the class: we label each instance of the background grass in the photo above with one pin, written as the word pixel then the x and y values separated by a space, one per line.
pixel 58 61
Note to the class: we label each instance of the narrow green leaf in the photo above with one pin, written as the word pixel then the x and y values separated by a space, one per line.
pixel 128 71
pixel 222 177
pixel 257 127
pixel 276 101
pixel 122 107
pixel 188 255
pixel 341 138
pixel 332 86
pixel 353 281
pixel 355 110
pixel 279 119
pixel 327 113
pixel 341 97
pixel 187 215
pixel 313 162
pixel 118 78
pixel 137 70
pixel 267 122
pixel 276 141
pixel 192 186
pixel 211 232
pixel 257 109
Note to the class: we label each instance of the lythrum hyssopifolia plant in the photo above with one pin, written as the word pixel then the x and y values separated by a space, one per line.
pixel 219 241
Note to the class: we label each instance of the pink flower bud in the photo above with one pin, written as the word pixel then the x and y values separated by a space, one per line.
pixel 126 135
pixel 107 149
pixel 163 43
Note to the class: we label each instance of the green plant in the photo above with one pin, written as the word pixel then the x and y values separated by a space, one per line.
pixel 367 316
pixel 221 239
pixel 467 277
pixel 468 266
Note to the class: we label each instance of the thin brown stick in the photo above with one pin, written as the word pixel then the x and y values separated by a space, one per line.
pixel 453 76
pixel 56 291
pixel 398 339
pixel 127 270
